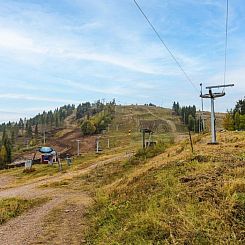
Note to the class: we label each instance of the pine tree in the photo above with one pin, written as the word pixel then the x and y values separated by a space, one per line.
pixel 4 137
pixel 3 156
pixel 191 123
pixel 13 137
pixel 29 131
pixel 36 130
pixel 8 147
pixel 242 122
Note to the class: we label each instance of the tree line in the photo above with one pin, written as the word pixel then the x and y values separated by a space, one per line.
pixel 33 127
pixel 15 135
pixel 99 120
pixel 235 118
pixel 90 109
pixel 188 115
pixel 5 150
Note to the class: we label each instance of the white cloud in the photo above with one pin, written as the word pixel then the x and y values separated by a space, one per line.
pixel 153 60
pixel 109 48
pixel 17 41
pixel 36 98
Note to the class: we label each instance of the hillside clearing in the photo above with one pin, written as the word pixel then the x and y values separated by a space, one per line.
pixel 164 195
pixel 174 198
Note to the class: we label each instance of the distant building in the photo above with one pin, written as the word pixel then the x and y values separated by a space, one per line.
pixel 48 155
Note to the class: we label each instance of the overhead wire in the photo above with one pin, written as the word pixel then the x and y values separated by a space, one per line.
pixel 166 47
pixel 226 41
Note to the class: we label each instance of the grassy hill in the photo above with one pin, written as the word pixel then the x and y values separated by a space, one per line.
pixel 174 198
pixel 163 195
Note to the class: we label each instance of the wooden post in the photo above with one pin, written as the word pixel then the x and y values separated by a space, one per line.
pixel 191 141
pixel 143 132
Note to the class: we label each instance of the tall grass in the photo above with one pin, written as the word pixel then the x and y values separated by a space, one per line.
pixel 12 207
pixel 182 202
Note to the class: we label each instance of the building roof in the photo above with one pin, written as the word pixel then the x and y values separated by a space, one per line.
pixel 46 149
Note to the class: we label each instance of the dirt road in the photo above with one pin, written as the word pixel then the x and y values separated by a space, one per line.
pixel 29 228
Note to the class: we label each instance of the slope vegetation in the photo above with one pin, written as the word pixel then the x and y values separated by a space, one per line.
pixel 174 198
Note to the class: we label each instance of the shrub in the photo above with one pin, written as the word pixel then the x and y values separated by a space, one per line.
pixel 88 128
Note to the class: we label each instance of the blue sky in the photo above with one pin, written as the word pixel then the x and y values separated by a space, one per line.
pixel 54 52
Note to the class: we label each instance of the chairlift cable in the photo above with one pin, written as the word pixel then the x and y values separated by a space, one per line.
pixel 165 45
pixel 226 41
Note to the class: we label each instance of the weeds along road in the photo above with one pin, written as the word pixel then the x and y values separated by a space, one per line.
pixel 25 228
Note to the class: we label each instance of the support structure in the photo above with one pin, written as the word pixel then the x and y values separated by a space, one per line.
pixel 78 147
pixel 202 116
pixel 213 96
pixel 144 131
pixel 97 144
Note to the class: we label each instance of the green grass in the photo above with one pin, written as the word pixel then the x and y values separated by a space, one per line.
pixel 13 207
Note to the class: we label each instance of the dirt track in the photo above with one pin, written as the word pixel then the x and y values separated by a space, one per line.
pixel 65 144
pixel 177 136
pixel 27 227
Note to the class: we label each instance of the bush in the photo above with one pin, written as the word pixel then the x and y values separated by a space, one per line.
pixel 88 128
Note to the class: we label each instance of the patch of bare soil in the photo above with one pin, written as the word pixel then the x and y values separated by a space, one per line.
pixel 65 224
pixel 5 180
pixel 65 144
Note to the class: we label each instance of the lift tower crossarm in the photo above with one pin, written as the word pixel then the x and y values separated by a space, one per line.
pixel 220 86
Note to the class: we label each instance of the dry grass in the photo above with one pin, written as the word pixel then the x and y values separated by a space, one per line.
pixel 175 198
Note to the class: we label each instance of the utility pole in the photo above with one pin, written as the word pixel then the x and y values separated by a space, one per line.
pixel 213 96
pixel 199 123
pixel 143 138
pixel 78 147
